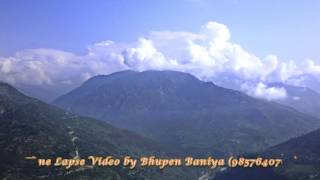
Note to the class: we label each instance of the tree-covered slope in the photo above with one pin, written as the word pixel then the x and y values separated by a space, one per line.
pixel 29 127
pixel 179 110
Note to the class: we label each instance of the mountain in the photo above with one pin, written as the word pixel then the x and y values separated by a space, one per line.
pixel 44 93
pixel 306 80
pixel 301 157
pixel 302 99
pixel 29 127
pixel 190 115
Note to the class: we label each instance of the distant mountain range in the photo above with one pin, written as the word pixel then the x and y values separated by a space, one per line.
pixel 305 80
pixel 302 99
pixel 29 127
pixel 193 116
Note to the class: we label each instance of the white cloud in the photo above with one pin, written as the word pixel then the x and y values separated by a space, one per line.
pixel 54 68
pixel 296 98
pixel 208 54
pixel 262 91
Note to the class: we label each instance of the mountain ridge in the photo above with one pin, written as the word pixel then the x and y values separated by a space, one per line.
pixel 178 109
pixel 30 127
pixel 302 99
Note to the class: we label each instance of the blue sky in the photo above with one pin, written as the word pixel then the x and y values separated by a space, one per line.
pixel 240 44
pixel 288 28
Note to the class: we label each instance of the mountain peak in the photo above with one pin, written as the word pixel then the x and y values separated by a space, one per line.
pixel 173 107
pixel 165 74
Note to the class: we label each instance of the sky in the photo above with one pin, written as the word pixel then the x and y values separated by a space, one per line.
pixel 288 28
pixel 59 44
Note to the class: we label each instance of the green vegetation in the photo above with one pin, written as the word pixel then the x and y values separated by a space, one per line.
pixel 190 115
pixel 29 127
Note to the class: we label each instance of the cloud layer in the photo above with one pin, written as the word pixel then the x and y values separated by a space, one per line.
pixel 263 91
pixel 208 54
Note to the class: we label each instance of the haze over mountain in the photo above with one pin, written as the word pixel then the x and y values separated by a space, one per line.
pixel 31 128
pixel 301 98
pixel 179 110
